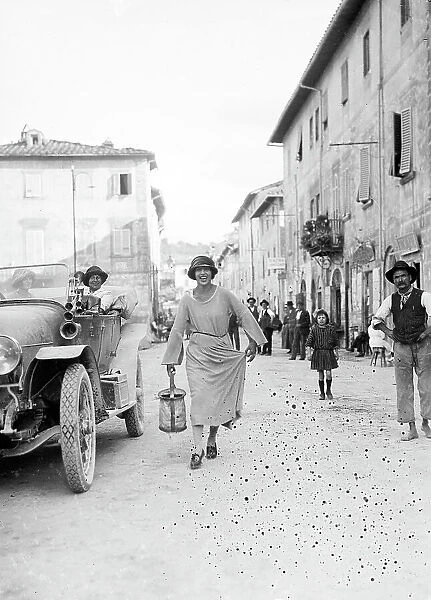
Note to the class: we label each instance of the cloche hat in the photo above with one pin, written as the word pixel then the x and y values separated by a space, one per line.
pixel 94 270
pixel 19 275
pixel 201 261
pixel 401 265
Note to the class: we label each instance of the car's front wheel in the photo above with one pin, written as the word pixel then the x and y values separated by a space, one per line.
pixel 134 417
pixel 78 428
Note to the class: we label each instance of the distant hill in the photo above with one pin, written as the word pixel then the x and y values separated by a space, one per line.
pixel 182 252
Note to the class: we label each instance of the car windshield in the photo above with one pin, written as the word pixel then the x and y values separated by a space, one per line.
pixel 34 281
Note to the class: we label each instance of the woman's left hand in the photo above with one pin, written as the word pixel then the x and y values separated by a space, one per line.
pixel 250 351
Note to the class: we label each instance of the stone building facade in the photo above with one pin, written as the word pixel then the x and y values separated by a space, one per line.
pixel 83 205
pixel 356 139
pixel 261 245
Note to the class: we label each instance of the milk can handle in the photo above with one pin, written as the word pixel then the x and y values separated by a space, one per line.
pixel 171 385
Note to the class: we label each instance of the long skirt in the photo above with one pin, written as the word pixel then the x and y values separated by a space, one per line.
pixel 215 373
pixel 323 360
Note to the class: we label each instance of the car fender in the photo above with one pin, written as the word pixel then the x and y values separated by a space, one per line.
pixel 70 354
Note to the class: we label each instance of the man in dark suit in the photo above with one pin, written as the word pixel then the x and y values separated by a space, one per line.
pixel 302 329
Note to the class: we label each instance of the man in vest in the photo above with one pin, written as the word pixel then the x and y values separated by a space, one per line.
pixel 251 302
pixel 265 321
pixel 410 309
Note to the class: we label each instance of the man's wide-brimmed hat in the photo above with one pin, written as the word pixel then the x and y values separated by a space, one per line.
pixel 264 302
pixel 94 270
pixel 19 275
pixel 201 261
pixel 401 265
pixel 251 298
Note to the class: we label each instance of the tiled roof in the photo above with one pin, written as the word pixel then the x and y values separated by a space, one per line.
pixel 56 148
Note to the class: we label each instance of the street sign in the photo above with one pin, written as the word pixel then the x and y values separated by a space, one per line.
pixel 277 262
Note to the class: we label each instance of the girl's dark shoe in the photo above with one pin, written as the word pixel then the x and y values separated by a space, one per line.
pixel 196 460
pixel 329 395
pixel 322 396
pixel 212 451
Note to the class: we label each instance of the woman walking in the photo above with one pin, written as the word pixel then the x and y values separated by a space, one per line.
pixel 215 371
pixel 324 342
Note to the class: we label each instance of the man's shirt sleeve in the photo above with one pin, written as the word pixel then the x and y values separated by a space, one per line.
pixel 383 311
pixel 426 302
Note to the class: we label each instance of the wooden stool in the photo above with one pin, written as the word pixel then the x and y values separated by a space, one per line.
pixel 374 356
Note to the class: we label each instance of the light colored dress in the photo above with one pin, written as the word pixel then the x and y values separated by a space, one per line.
pixel 215 371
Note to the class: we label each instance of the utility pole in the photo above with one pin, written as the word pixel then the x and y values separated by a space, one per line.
pixel 72 169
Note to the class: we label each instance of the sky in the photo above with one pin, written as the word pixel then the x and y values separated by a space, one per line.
pixel 200 83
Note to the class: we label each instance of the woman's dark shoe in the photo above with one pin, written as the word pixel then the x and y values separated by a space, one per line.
pixel 212 451
pixel 196 460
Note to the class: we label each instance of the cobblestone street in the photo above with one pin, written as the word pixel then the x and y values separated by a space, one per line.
pixel 304 501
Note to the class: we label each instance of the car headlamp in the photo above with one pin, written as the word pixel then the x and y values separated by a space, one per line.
pixel 10 354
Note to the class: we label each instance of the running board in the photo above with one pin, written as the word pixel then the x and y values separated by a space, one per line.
pixel 116 411
pixel 26 447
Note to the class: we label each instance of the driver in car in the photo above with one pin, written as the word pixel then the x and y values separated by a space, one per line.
pixel 22 280
pixel 94 278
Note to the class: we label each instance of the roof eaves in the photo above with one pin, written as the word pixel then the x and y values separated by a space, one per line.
pixel 250 197
pixel 270 199
pixel 334 35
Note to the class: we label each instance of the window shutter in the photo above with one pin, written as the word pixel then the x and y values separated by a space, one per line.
pixel 115 185
pixel 35 246
pixel 299 151
pixel 126 241
pixel 325 108
pixel 117 241
pixel 33 185
pixel 364 182
pixel 122 242
pixel 129 183
pixel 344 82
pixel 406 141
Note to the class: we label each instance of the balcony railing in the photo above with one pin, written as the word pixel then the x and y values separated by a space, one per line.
pixel 323 236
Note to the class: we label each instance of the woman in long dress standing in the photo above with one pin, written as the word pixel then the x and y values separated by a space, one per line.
pixel 215 371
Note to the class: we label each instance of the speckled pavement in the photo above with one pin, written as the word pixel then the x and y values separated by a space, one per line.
pixel 306 500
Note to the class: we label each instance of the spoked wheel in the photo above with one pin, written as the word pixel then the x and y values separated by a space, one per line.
pixel 134 417
pixel 78 428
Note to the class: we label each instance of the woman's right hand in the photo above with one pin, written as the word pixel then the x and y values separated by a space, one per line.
pixel 170 369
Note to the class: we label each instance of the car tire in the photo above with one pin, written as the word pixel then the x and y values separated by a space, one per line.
pixel 134 416
pixel 78 428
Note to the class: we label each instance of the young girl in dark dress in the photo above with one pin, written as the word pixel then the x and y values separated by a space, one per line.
pixel 323 339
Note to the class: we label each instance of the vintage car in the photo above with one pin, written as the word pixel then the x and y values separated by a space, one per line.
pixel 64 367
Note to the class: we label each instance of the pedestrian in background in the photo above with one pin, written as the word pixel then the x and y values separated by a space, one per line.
pixel 410 308
pixel 285 329
pixel 291 324
pixel 265 321
pixel 251 303
pixel 324 342
pixel 302 329
pixel 233 331
pixel 215 371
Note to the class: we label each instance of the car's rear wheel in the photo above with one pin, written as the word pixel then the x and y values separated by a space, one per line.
pixel 134 416
pixel 78 428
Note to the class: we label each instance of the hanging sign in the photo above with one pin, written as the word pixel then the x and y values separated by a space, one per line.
pixel 277 263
